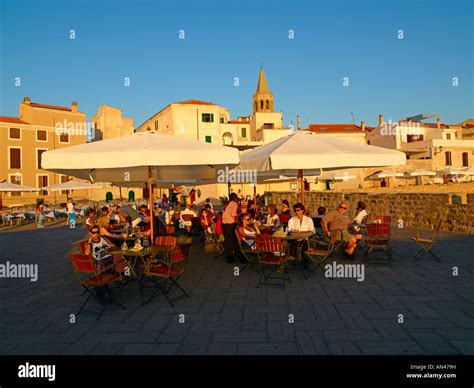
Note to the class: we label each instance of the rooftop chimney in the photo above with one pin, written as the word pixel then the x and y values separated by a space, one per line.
pixel 380 120
pixel 74 106
pixel 362 124
pixel 298 122
pixel 27 100
pixel 438 122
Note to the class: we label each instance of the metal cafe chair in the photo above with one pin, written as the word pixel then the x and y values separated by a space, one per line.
pixel 426 244
pixel 378 238
pixel 271 259
pixel 93 279
pixel 318 253
pixel 164 274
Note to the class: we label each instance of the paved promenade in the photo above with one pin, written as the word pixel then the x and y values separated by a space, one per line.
pixel 229 315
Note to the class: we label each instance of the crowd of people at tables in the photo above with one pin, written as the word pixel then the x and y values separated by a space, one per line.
pixel 238 223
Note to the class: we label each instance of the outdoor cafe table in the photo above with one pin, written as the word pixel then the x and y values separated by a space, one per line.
pixel 133 256
pixel 299 237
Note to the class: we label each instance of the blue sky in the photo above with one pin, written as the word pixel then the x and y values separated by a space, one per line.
pixel 227 39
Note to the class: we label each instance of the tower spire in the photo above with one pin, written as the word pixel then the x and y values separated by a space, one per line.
pixel 263 97
pixel 262 86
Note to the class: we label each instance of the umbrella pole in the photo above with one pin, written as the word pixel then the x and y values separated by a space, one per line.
pixel 255 196
pixel 150 194
pixel 300 173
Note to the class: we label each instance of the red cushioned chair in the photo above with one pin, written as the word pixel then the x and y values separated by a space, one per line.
pixel 272 260
pixel 91 278
pixel 378 238
pixel 164 274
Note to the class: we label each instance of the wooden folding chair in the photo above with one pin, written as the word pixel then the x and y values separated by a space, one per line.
pixel 318 253
pixel 92 279
pixel 271 259
pixel 378 238
pixel 427 243
pixel 247 252
pixel 165 274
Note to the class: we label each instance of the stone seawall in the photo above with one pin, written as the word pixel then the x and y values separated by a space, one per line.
pixel 415 209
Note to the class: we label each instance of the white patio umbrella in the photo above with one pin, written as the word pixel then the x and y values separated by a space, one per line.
pixel 304 150
pixel 74 185
pixel 141 157
pixel 13 187
pixel 386 174
pixel 451 171
pixel 421 172
pixel 339 176
pixel 469 171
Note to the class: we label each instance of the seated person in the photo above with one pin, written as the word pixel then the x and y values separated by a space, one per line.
pixel 360 218
pixel 299 223
pixel 116 217
pixel 90 218
pixel 336 221
pixel 104 217
pixel 272 218
pixel 189 212
pixel 206 218
pixel 159 228
pixel 98 247
pixel 285 214
pixel 252 210
pixel 245 232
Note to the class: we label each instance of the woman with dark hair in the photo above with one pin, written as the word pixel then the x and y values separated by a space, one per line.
pixel 300 222
pixel 245 232
pixel 228 226
pixel 285 207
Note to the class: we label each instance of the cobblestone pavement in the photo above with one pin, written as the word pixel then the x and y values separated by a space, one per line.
pixel 227 314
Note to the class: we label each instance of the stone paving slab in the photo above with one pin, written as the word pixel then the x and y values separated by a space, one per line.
pixel 229 315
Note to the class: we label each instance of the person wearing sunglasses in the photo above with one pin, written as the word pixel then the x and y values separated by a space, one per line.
pixel 245 232
pixel 337 221
pixel 300 222
pixel 98 247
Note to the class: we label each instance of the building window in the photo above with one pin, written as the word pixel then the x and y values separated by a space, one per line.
pixel 17 180
pixel 208 139
pixel 41 136
pixel 465 159
pixel 156 125
pixel 268 126
pixel 64 138
pixel 267 104
pixel 448 136
pixel 261 104
pixel 15 157
pixel 42 182
pixel 447 157
pixel 222 120
pixel 413 138
pixel 64 179
pixel 38 158
pixel 207 118
pixel 243 132
pixel 15 133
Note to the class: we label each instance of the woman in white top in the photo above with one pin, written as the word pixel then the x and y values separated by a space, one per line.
pixel 300 222
pixel 245 232
pixel 272 218
pixel 354 228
